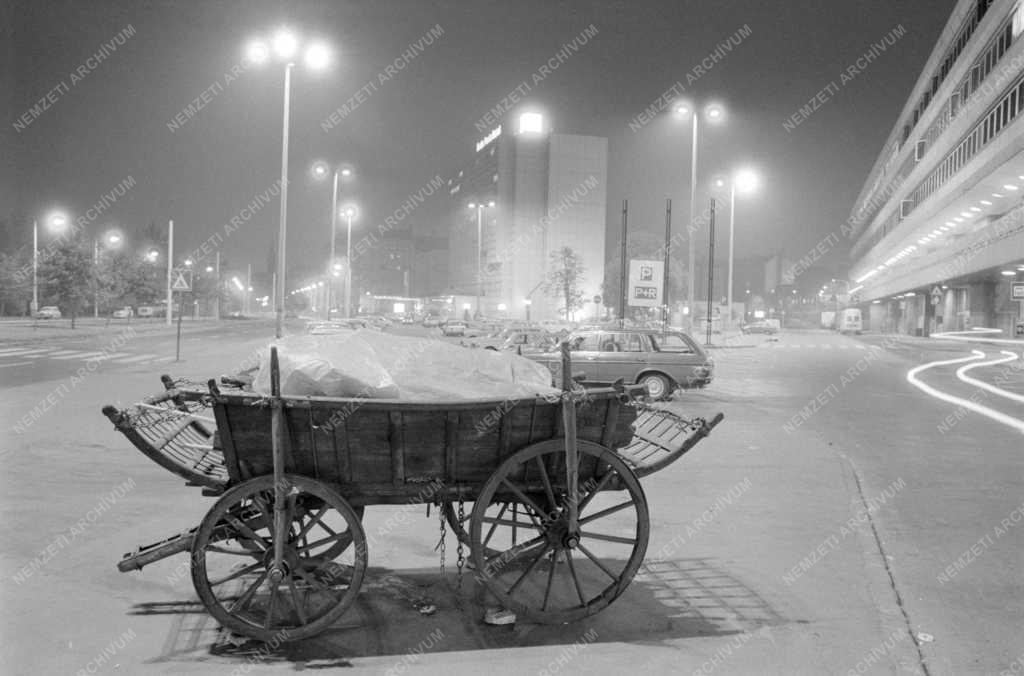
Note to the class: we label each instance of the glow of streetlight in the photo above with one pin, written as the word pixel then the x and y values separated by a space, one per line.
pixel 714 112
pixel 350 211
pixel 257 52
pixel 320 170
pixel 746 180
pixel 346 172
pixel 209 268
pixel 188 262
pixel 152 255
pixel 318 56
pixel 285 43
pixel 57 221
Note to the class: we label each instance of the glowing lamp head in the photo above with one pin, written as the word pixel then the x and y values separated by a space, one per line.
pixel 682 109
pixel 531 123
pixel 746 180
pixel 318 56
pixel 320 170
pixel 346 172
pixel 257 52
pixel 285 43
pixel 209 268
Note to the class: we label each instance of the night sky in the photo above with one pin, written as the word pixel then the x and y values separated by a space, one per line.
pixel 422 122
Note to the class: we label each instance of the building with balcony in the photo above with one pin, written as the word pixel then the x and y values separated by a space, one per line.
pixel 522 195
pixel 938 228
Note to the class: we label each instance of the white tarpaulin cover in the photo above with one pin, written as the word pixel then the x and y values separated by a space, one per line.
pixel 379 365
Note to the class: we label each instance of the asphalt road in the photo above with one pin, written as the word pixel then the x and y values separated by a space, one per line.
pixel 841 520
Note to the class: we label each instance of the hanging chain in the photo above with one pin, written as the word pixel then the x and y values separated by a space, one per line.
pixel 460 561
pixel 441 543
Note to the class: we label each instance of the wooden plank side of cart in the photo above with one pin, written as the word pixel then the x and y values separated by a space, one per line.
pixel 380 451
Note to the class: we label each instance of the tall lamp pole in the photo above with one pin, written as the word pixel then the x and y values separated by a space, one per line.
pixel 714 113
pixel 56 223
pixel 350 213
pixel 285 45
pixel 479 206
pixel 744 181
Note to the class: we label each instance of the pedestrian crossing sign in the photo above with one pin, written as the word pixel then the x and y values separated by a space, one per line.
pixel 181 282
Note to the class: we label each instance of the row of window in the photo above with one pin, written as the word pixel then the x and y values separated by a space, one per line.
pixel 952 54
pixel 1005 111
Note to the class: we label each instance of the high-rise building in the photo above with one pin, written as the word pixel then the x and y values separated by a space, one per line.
pixel 939 237
pixel 523 195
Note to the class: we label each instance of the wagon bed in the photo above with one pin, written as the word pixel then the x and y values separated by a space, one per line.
pixel 283 548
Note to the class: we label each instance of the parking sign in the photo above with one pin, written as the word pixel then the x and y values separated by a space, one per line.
pixel 645 281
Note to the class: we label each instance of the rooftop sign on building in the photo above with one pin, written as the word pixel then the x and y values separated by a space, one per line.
pixel 486 140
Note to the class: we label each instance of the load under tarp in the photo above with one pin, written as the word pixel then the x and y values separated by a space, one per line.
pixel 378 365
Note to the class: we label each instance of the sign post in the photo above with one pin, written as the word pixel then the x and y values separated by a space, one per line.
pixel 182 284
pixel 936 295
pixel 1017 293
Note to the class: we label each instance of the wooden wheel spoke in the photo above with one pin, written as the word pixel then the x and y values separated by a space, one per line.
pixel 551 578
pixel 529 569
pixel 597 562
pixel 547 484
pixel 246 531
pixel 523 497
pixel 609 538
pixel 508 522
pixel 300 609
pixel 494 524
pixel 516 551
pixel 575 579
pixel 605 512
pixel 270 607
pixel 244 599
pixel 321 541
pixel 237 574
pixel 312 522
pixel 597 489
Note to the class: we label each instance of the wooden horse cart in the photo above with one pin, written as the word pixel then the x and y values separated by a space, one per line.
pixel 557 528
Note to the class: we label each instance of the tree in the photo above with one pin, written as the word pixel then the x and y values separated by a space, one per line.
pixel 68 274
pixel 15 280
pixel 563 279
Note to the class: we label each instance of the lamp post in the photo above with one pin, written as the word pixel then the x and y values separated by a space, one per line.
pixel 527 302
pixel 745 180
pixel 285 45
pixel 111 239
pixel 320 172
pixel 349 212
pixel 479 206
pixel 56 222
pixel 714 113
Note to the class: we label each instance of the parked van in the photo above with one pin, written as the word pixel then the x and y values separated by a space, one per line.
pixel 850 321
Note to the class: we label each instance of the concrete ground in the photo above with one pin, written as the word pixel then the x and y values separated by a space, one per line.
pixel 813 532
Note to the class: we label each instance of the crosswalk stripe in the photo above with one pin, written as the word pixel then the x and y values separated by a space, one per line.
pixel 77 355
pixel 25 353
pixel 64 352
pixel 163 359
pixel 10 350
pixel 17 363
pixel 113 355
pixel 140 357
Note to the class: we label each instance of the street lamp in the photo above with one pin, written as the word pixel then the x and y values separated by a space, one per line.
pixel 479 206
pixel 527 302
pixel 111 240
pixel 284 45
pixel 745 181
pixel 56 222
pixel 714 113
pixel 349 211
pixel 320 171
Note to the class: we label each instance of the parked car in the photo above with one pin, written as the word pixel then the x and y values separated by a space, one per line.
pixel 661 361
pixel 453 328
pixel 521 340
pixel 431 321
pixel 48 312
pixel 760 326
pixel 123 312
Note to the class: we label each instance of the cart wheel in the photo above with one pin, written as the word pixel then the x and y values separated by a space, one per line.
pixel 233 557
pixel 540 569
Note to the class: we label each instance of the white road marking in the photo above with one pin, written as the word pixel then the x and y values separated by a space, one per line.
pixel 25 353
pixel 113 355
pixel 64 352
pixel 985 386
pixel 959 401
pixel 76 355
pixel 20 363
pixel 976 336
pixel 161 359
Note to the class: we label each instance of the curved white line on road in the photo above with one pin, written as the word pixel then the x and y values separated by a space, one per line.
pixel 975 336
pixel 986 386
pixel 1010 421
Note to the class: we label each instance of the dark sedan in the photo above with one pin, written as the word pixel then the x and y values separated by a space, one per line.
pixel 662 362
